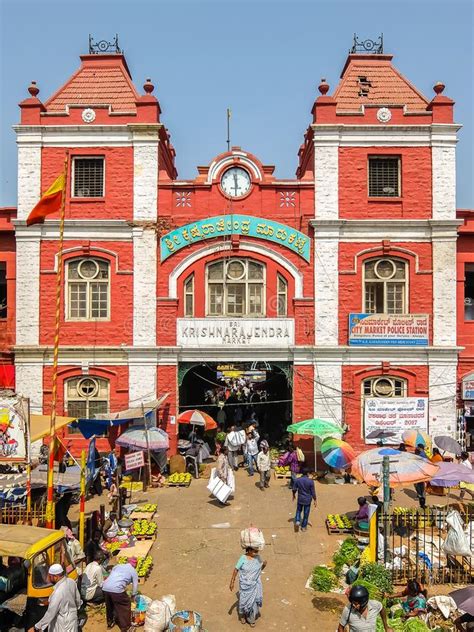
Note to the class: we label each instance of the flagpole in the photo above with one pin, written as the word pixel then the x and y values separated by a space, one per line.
pixel 229 114
pixel 54 395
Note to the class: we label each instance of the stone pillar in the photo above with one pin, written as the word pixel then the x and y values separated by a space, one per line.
pixel 442 391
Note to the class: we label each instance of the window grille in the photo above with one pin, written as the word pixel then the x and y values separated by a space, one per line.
pixel 189 296
pixel 88 177
pixel 88 289
pixel 86 397
pixel 282 296
pixel 384 177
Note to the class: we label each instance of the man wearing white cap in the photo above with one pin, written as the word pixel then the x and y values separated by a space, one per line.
pixel 64 602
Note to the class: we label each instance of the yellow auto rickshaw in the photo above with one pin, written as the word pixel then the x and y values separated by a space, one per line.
pixel 26 553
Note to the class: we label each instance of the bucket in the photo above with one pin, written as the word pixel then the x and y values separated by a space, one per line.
pixel 185 621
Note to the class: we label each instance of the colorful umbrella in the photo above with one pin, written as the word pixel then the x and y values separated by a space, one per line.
pixel 464 599
pixel 197 418
pixel 137 438
pixel 451 474
pixel 448 444
pixel 337 453
pixel 316 428
pixel 414 437
pixel 405 468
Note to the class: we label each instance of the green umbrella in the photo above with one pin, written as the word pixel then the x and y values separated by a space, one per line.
pixel 317 428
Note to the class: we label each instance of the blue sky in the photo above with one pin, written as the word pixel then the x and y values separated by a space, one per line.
pixel 262 58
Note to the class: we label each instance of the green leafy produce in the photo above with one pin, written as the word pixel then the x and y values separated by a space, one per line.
pixel 220 437
pixel 348 554
pixel 377 575
pixel 323 579
pixel 374 592
pixel 398 625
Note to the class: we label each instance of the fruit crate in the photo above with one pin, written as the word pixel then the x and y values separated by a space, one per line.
pixel 336 530
pixel 335 523
pixel 176 484
pixel 146 537
pixel 282 475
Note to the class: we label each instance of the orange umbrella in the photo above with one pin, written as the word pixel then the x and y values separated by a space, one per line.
pixel 405 468
pixel 197 418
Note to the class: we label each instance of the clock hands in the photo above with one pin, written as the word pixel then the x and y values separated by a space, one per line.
pixel 236 185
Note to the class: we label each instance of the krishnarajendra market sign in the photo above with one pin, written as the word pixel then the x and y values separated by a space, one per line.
pixel 223 332
pixel 395 414
pixel 399 330
pixel 246 225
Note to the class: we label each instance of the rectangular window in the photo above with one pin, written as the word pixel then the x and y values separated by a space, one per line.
pixel 469 292
pixel 255 299
pixel 189 296
pixel 236 299
pixel 216 302
pixel 3 290
pixel 88 177
pixel 282 298
pixel 384 176
pixel 77 300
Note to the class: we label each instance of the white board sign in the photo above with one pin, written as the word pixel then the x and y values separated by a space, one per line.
pixel 394 414
pixel 134 461
pixel 13 429
pixel 226 332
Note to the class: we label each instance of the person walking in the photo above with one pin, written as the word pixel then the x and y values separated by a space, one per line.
pixel 304 488
pixel 291 459
pixel 93 580
pixel 249 568
pixel 251 450
pixel 361 613
pixel 263 464
pixel 118 605
pixel 420 488
pixel 64 602
pixel 232 443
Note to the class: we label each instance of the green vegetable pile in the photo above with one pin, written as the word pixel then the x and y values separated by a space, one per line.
pixel 323 579
pixel 399 625
pixel 374 592
pixel 377 575
pixel 348 554
pixel 220 437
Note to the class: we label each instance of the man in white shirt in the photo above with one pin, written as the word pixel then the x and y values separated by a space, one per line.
pixel 251 450
pixel 264 464
pixel 93 579
pixel 118 606
pixel 64 602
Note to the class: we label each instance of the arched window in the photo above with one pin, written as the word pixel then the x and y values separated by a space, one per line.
pixel 86 396
pixel 384 386
pixel 88 289
pixel 385 286
pixel 235 287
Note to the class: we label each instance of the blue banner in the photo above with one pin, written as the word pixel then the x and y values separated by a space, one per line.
pixel 245 225
pixel 393 330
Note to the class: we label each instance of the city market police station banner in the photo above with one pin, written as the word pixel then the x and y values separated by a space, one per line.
pixel 13 429
pixel 246 225
pixel 395 414
pixel 399 330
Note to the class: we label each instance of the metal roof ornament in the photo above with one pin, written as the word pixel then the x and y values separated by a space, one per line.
pixel 102 46
pixel 374 47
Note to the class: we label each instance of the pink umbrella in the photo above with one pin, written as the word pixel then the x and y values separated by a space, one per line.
pixel 451 474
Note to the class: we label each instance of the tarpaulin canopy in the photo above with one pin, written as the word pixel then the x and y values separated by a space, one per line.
pixel 134 413
pixel 95 427
pixel 23 541
pixel 39 425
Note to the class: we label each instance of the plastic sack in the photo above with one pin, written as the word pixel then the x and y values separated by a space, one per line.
pixel 235 439
pixel 252 538
pixel 158 615
pixel 456 543
pixel 300 455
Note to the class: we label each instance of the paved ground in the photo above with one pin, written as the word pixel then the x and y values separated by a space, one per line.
pixel 194 558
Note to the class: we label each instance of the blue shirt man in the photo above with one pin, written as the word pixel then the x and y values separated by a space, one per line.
pixel 304 488
pixel 118 607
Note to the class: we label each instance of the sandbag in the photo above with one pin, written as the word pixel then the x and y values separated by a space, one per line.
pixel 456 543
pixel 252 538
pixel 159 613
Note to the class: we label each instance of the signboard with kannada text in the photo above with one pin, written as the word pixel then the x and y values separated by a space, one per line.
pixel 397 330
pixel 134 460
pixel 394 414
pixel 245 225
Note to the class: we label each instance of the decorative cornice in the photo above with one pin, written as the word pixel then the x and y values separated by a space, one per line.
pixel 388 135
pixel 378 229
pixel 103 229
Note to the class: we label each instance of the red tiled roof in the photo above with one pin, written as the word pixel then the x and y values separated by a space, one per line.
pixel 98 81
pixel 387 85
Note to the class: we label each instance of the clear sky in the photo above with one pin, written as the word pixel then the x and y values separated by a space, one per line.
pixel 262 58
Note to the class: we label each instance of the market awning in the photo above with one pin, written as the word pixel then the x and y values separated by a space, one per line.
pixel 39 425
pixel 136 412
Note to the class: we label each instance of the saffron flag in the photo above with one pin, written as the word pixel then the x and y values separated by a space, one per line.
pixel 50 202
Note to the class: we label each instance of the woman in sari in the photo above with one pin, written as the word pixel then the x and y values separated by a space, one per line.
pixel 249 567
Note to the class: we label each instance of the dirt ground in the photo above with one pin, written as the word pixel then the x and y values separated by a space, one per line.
pixel 198 544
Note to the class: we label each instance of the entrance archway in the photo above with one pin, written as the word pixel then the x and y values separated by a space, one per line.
pixel 239 393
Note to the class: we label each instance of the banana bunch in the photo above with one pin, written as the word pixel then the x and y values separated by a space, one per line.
pixel 143 527
pixel 144 565
pixel 179 478
pixel 282 469
pixel 148 508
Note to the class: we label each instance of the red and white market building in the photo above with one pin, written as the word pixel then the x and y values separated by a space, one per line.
pixel 337 287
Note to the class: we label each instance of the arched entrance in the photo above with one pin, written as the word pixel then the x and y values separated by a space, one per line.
pixel 240 392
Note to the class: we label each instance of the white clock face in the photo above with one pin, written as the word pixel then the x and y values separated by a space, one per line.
pixel 236 182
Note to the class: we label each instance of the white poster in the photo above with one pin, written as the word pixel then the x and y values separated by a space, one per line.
pixel 13 429
pixel 395 414
pixel 225 332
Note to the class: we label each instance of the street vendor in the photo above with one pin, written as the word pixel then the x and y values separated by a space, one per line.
pixel 118 605
pixel 111 528
pixel 415 602
pixel 73 546
pixel 362 514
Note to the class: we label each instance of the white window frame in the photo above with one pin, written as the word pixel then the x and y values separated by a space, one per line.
pixel 399 179
pixel 67 293
pixel 225 281
pixel 406 307
pixel 86 399
pixel 186 293
pixel 390 378
pixel 280 277
pixel 73 176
